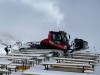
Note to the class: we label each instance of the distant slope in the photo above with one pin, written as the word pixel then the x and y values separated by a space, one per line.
pixel 7 39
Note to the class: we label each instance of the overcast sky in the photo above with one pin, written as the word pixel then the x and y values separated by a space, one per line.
pixel 30 20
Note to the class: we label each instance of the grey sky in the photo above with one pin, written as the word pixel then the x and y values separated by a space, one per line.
pixel 30 20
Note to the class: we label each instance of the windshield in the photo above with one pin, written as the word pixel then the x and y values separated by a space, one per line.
pixel 59 38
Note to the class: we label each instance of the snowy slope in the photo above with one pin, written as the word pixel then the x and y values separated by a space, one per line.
pixel 7 39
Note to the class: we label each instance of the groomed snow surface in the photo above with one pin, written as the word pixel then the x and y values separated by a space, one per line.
pixel 40 70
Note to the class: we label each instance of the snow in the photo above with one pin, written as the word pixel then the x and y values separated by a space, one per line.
pixel 97 69
pixel 2 50
pixel 47 72
pixel 7 39
pixel 38 68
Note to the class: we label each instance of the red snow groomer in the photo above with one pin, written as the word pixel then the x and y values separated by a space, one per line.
pixel 60 40
pixel 56 40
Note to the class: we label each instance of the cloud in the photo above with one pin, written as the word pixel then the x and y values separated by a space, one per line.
pixel 29 17
pixel 48 8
